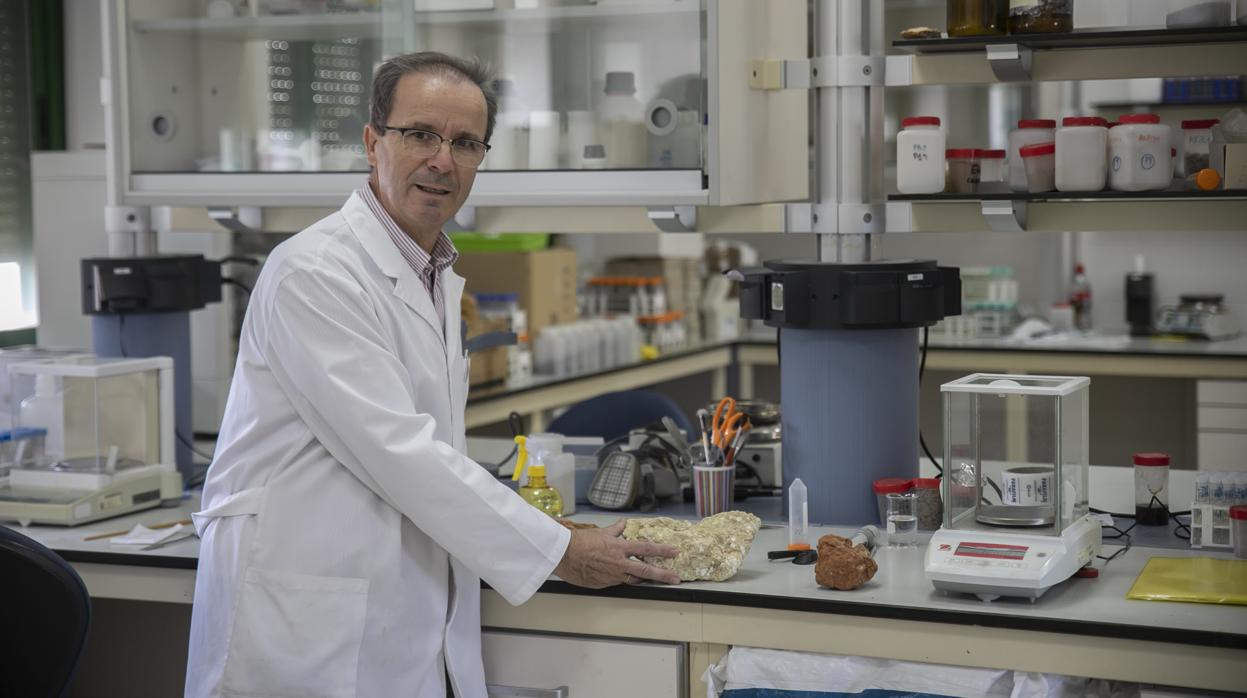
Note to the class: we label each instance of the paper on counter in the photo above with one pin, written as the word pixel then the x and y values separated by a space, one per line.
pixel 142 535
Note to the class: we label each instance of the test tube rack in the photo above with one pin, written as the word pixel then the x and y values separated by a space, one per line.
pixel 1211 526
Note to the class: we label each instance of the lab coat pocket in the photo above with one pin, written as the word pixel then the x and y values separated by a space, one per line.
pixel 296 635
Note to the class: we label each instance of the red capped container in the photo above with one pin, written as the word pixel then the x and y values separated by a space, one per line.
pixel 1040 163
pixel 991 165
pixel 1238 529
pixel 930 510
pixel 1028 132
pixel 920 156
pixel 963 170
pixel 1151 489
pixel 1194 145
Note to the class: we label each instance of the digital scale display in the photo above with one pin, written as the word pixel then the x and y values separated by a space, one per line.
pixel 995 551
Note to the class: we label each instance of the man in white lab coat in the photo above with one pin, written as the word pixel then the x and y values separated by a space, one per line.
pixel 344 532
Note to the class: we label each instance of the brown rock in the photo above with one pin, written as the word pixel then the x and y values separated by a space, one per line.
pixel 841 565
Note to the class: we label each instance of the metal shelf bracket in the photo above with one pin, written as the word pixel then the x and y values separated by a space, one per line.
pixel 244 219
pixel 674 219
pixel 1005 216
pixel 1010 62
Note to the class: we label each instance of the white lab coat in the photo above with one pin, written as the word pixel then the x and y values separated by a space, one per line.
pixel 344 531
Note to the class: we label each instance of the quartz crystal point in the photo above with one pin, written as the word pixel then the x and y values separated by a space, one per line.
pixel 711 549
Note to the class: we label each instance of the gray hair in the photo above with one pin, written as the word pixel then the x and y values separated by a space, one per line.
pixel 433 63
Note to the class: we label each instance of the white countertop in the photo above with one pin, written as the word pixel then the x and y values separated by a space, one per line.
pixel 901 584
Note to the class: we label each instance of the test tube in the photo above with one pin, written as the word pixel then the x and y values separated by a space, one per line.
pixel 798 516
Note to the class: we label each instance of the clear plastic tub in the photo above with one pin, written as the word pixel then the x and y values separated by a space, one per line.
pixel 1040 163
pixel 963 170
pixel 1028 132
pixel 991 166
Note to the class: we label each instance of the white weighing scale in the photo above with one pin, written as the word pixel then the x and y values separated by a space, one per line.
pixel 991 564
pixel 999 539
pixel 110 449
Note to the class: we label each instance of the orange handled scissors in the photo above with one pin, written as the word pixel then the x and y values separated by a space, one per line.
pixel 727 422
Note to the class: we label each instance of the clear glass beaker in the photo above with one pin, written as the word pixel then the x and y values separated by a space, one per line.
pixel 902 520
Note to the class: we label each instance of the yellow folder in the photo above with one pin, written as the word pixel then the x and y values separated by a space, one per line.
pixel 1194 579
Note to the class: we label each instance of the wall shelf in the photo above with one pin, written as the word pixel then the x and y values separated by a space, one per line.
pixel 1083 38
pixel 1081 55
pixel 1165 195
pixel 345 25
pixel 1174 213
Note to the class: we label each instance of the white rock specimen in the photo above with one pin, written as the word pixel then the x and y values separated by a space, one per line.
pixel 711 549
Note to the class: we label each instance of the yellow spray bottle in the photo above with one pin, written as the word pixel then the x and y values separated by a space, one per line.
pixel 536 491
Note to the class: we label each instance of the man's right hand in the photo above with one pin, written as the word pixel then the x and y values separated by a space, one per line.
pixel 598 557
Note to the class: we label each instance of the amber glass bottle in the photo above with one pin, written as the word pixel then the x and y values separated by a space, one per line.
pixel 977 17
pixel 1041 16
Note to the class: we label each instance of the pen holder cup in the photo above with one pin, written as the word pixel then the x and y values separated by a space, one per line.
pixel 712 489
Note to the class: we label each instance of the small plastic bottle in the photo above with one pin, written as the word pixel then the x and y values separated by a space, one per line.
pixel 536 490
pixel 622 122
pixel 920 156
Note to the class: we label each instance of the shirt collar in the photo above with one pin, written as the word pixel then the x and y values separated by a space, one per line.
pixel 444 252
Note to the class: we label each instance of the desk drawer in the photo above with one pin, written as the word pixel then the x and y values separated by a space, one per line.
pixel 590 667
pixel 1221 393
pixel 1222 451
pixel 1222 418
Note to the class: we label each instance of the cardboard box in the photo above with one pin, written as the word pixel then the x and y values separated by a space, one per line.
pixel 544 279
pixel 1235 174
pixel 490 365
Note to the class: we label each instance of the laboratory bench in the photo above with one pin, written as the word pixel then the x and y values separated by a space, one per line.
pixel 1082 627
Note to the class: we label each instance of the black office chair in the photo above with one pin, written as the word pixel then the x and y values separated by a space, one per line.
pixel 45 615
pixel 612 415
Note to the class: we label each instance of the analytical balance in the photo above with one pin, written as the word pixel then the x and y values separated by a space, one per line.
pixel 1016 519
pixel 109 439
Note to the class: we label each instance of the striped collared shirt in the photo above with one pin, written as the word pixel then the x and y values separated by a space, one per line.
pixel 427 266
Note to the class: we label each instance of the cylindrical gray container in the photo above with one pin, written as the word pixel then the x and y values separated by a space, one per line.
pixel 850 416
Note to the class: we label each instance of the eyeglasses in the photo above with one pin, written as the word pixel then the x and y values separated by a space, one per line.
pixel 466 152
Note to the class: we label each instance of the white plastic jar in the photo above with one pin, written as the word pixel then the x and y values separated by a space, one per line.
pixel 920 156
pixel 1028 132
pixel 991 165
pixel 1141 155
pixel 1081 154
pixel 1195 145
